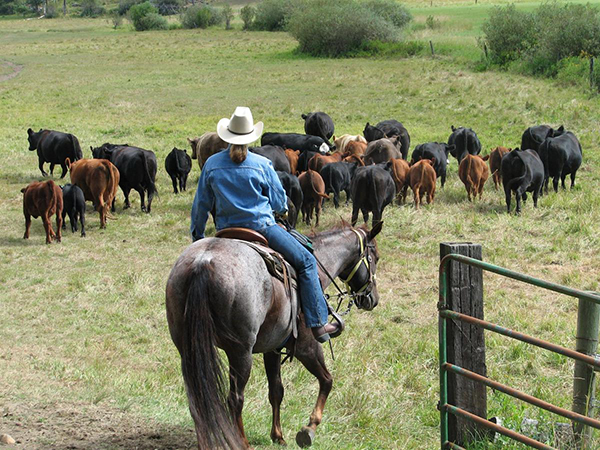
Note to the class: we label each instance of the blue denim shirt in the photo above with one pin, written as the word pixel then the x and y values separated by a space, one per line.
pixel 244 195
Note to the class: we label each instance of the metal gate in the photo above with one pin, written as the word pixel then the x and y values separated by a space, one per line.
pixel 446 314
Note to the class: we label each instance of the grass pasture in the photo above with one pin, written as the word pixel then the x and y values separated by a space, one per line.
pixel 87 361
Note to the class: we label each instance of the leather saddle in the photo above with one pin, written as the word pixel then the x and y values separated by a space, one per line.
pixel 277 266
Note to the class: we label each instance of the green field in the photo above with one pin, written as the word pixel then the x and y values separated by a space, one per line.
pixel 86 356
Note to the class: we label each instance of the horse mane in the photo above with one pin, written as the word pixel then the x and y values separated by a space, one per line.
pixel 342 225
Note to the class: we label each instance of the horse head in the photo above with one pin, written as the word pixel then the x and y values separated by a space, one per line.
pixel 359 275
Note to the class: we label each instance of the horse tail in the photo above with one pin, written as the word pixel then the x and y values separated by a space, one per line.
pixel 203 371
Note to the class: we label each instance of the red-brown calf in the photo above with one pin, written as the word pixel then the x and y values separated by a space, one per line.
pixel 422 178
pixel 473 172
pixel 313 188
pixel 495 160
pixel 318 161
pixel 43 200
pixel 292 156
pixel 400 169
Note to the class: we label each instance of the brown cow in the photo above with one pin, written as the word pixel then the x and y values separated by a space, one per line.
pixel 341 143
pixel 99 180
pixel 43 200
pixel 313 188
pixel 399 170
pixel 422 178
pixel 382 150
pixel 356 148
pixel 319 161
pixel 354 159
pixel 292 156
pixel 495 160
pixel 473 172
pixel 205 146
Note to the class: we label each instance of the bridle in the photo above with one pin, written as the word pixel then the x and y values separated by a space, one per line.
pixel 365 258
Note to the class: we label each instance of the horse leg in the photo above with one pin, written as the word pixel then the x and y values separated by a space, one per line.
pixel 310 354
pixel 240 364
pixel 273 369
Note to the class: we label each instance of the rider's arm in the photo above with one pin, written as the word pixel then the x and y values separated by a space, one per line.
pixel 276 193
pixel 203 204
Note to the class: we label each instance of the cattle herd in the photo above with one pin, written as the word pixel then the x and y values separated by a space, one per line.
pixel 372 169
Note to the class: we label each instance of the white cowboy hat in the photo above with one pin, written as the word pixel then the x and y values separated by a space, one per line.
pixel 240 129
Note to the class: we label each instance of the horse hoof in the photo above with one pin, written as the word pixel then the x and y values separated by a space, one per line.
pixel 305 437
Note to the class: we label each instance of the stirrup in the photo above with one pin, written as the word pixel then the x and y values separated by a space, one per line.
pixel 336 318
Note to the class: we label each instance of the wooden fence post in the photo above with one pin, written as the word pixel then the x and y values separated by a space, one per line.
pixel 588 319
pixel 431 46
pixel 465 342
pixel 592 73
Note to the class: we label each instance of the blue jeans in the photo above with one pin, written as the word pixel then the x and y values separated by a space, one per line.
pixel 312 299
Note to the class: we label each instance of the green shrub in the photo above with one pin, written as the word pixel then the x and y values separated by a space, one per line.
pixel 8 7
pixel 91 8
pixel 228 15
pixel 508 33
pixel 125 5
pixel 389 49
pixel 573 71
pixel 51 12
pixel 144 17
pixel 391 11
pixel 247 14
pixel 432 23
pixel 168 7
pixel 273 15
pixel 334 28
pixel 201 16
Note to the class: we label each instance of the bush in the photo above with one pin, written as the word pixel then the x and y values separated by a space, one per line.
pixel 168 7
pixel 201 17
pixel 247 14
pixel 390 49
pixel 228 15
pixel 145 17
pixel 8 8
pixel 125 5
pixel 508 33
pixel 334 28
pixel 91 8
pixel 432 23
pixel 273 15
pixel 391 11
pixel 51 12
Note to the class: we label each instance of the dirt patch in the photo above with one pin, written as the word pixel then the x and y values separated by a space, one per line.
pixel 14 70
pixel 88 426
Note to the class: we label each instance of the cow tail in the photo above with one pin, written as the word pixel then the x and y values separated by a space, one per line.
pixel 150 186
pixel 517 181
pixel 77 154
pixel 469 179
pixel 312 183
pixel 543 152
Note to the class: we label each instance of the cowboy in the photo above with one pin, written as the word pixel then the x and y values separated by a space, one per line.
pixel 244 190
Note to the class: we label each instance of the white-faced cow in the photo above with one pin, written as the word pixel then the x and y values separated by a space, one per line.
pixel 54 147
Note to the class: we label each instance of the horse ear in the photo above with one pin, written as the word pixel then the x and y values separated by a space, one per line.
pixel 375 230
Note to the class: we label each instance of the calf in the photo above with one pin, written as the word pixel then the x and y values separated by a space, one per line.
pixel 99 181
pixel 43 200
pixel 389 128
pixel 292 156
pixel 522 172
pixel 421 178
pixel 436 152
pixel 355 148
pixel 372 190
pixel 313 190
pixel 178 165
pixel 381 151
pixel 561 156
pixel 205 146
pixel 74 206
pixel 399 169
pixel 275 154
pixel 465 141
pixel 319 161
pixel 495 161
pixel 338 177
pixel 341 143
pixel 292 188
pixel 473 172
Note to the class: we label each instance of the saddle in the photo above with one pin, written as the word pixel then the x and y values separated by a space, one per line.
pixel 277 266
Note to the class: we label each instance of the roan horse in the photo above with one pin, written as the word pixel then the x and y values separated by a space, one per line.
pixel 220 294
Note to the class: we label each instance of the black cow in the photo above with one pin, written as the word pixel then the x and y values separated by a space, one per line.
pixel 561 156
pixel 338 177
pixel 318 124
pixel 296 141
pixel 522 172
pixel 54 147
pixel 465 141
pixel 389 129
pixel 372 189
pixel 178 165
pixel 73 205
pixel 275 154
pixel 303 160
pixel 292 216
pixel 292 188
pixel 137 170
pixel 534 136
pixel 434 151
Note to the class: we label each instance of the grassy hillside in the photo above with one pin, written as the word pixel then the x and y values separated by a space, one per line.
pixel 87 358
